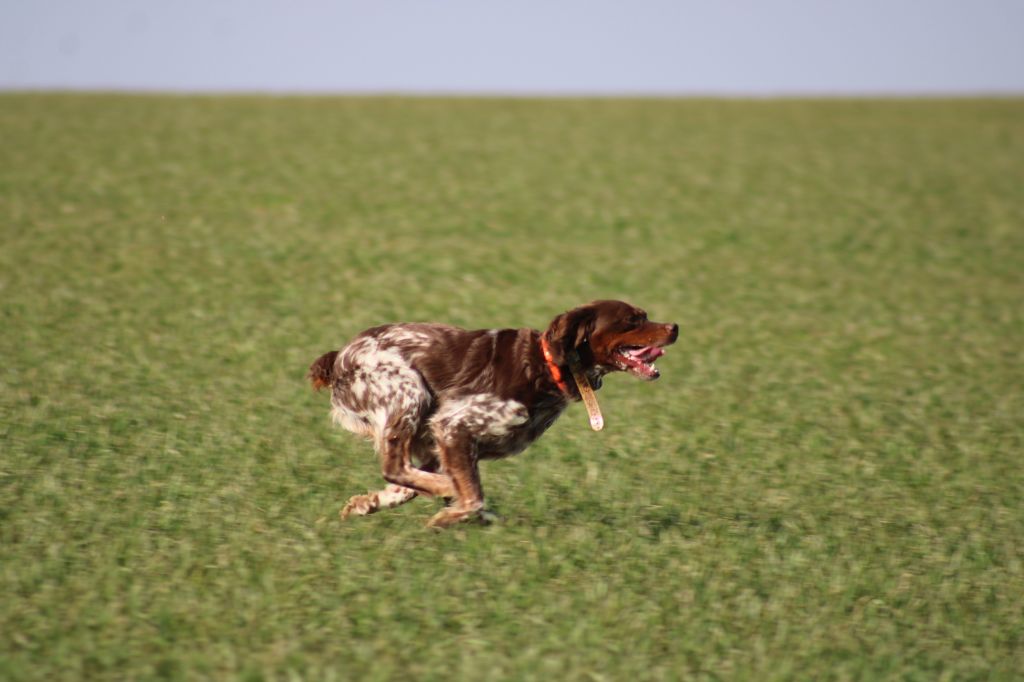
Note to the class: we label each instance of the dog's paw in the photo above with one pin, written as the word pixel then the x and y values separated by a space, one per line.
pixel 443 519
pixel 358 505
pixel 450 516
pixel 486 517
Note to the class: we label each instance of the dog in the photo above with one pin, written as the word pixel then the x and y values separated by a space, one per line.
pixel 437 399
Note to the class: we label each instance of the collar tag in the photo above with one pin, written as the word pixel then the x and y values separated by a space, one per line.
pixel 587 393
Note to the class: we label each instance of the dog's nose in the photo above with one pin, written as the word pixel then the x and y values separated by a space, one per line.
pixel 673 332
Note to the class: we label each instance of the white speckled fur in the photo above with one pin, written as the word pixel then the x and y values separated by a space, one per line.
pixel 393 495
pixel 382 391
pixel 482 414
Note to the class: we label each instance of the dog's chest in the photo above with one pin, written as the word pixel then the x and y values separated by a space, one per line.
pixel 517 438
pixel 497 426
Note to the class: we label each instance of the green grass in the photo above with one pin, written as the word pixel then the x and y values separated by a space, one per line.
pixel 825 484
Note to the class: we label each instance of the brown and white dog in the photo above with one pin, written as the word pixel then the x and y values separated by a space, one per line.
pixel 436 399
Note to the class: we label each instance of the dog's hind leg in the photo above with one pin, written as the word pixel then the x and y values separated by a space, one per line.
pixel 396 465
pixel 391 496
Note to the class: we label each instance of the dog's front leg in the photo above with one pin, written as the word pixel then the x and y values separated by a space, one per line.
pixel 459 460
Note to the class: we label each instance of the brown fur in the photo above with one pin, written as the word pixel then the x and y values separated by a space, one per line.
pixel 320 370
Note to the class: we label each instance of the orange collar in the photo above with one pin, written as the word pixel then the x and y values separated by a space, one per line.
pixel 556 373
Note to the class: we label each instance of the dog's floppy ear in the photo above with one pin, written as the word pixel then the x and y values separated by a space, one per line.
pixel 569 331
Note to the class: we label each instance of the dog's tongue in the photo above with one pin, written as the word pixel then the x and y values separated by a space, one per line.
pixel 647 353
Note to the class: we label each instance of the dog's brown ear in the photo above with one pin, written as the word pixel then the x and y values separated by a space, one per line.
pixel 569 331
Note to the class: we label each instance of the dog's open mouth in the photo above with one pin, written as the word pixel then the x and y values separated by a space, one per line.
pixel 639 360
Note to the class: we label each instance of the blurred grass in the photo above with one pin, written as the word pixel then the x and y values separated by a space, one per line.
pixel 824 484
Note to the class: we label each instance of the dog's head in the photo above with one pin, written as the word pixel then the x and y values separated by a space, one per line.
pixel 610 336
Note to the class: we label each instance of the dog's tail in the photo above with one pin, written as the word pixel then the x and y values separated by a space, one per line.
pixel 321 372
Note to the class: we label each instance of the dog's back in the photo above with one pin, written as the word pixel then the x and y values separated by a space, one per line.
pixel 391 380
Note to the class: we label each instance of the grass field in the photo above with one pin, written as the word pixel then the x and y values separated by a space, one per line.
pixel 825 483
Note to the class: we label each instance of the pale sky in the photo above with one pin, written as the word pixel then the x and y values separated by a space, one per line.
pixel 740 47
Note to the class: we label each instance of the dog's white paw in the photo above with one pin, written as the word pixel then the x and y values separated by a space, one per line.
pixel 358 505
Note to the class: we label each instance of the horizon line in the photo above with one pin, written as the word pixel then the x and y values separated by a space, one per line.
pixel 513 93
